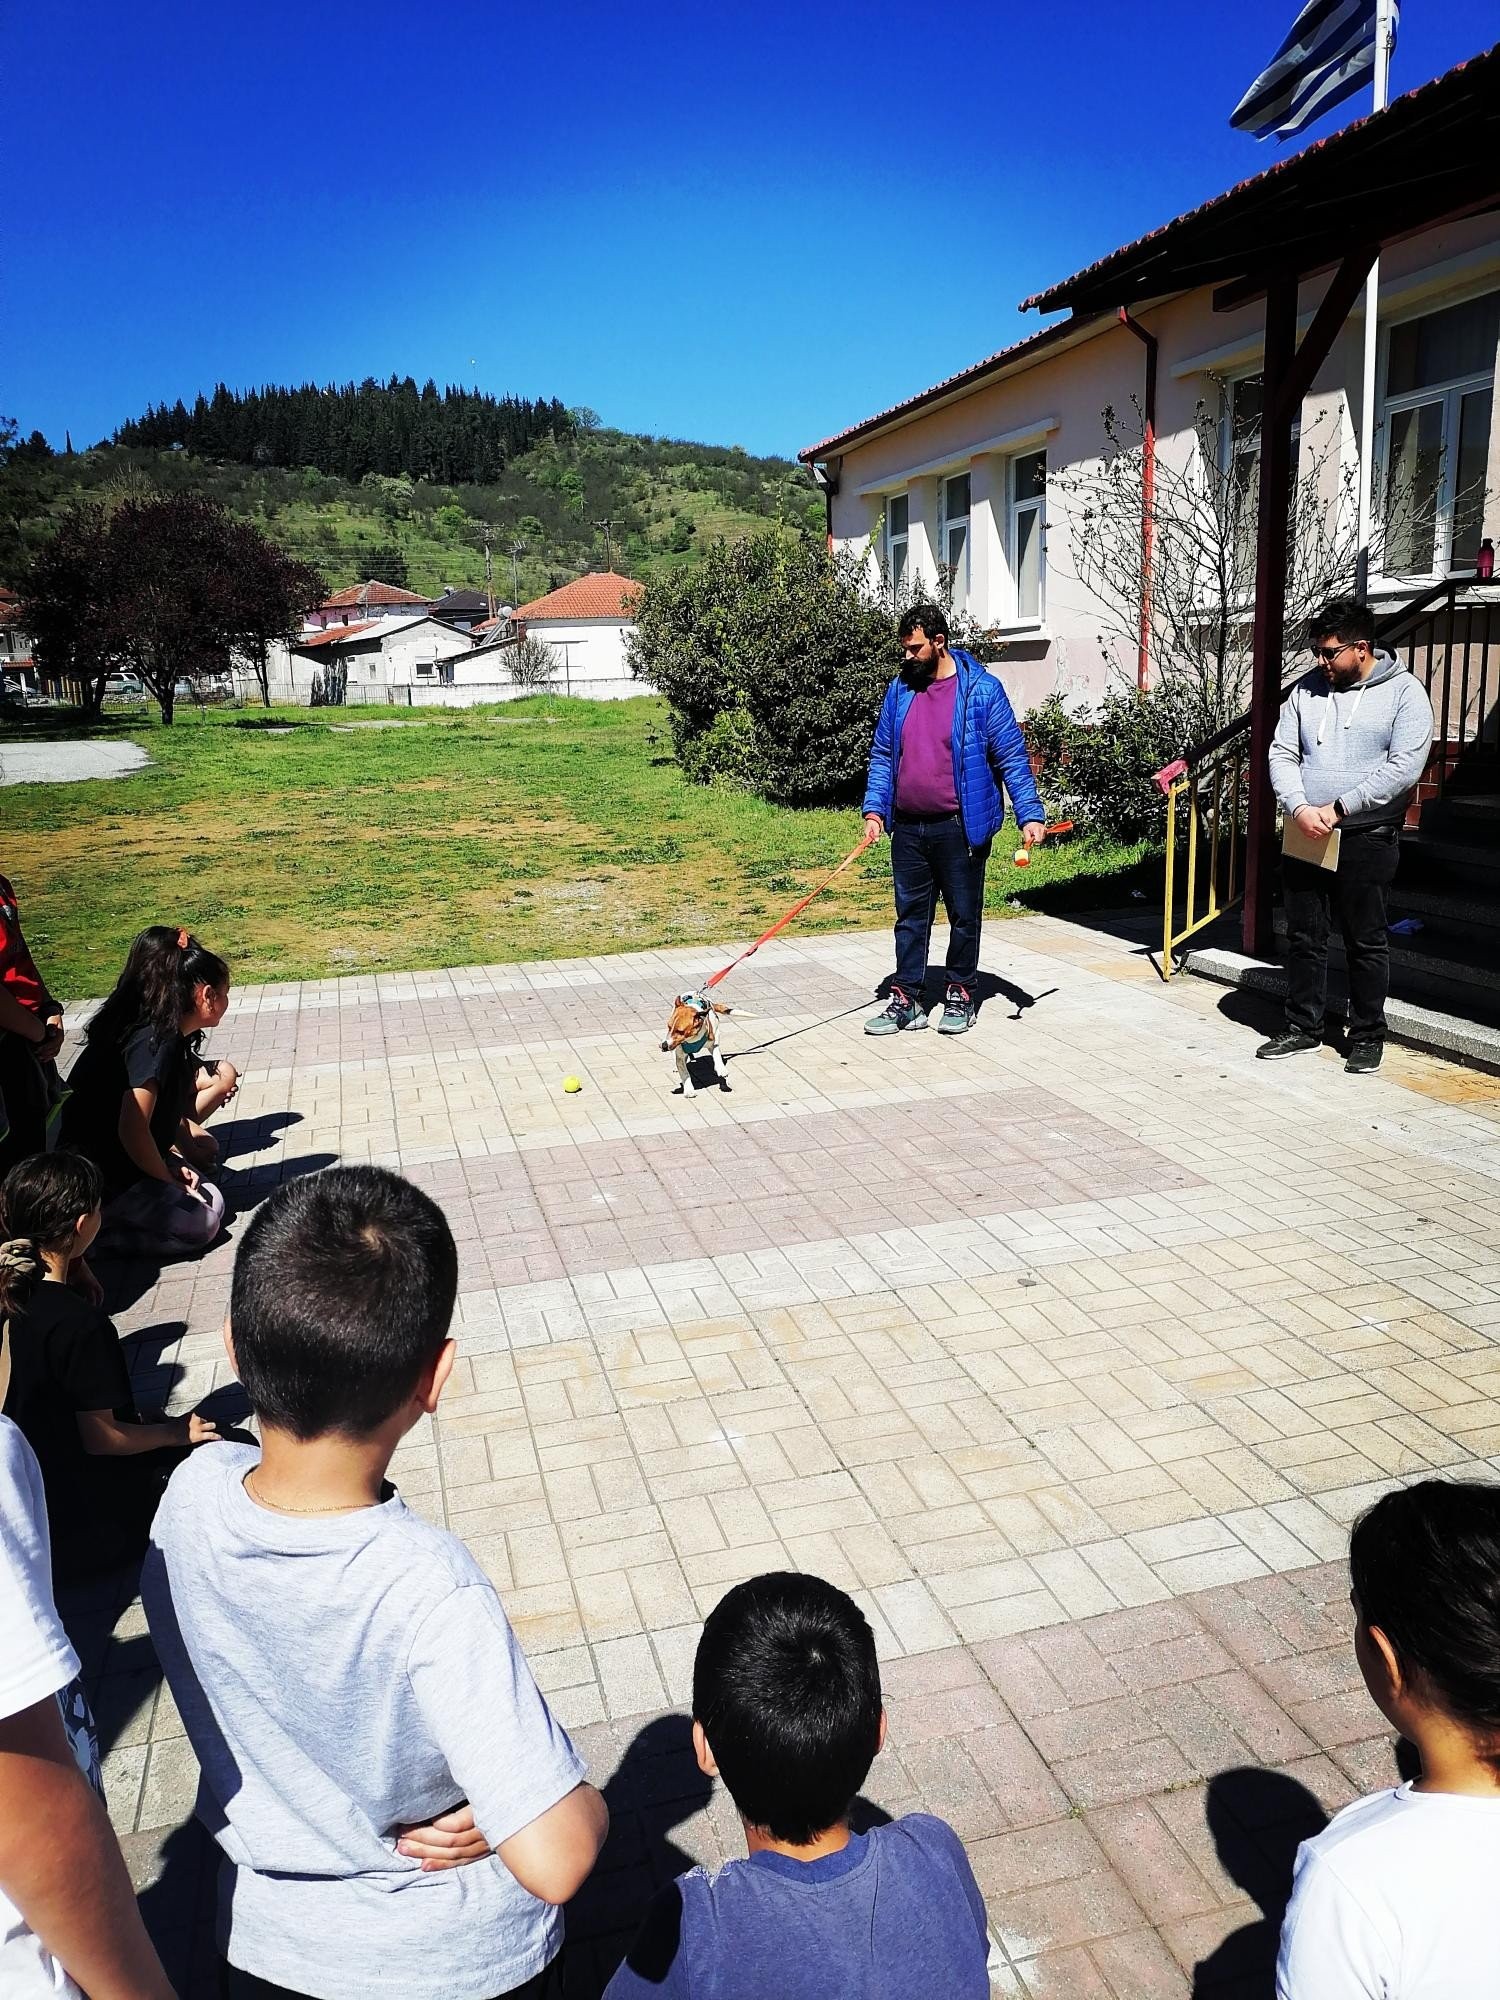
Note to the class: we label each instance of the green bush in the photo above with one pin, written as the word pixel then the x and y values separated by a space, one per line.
pixel 773 659
pixel 1098 765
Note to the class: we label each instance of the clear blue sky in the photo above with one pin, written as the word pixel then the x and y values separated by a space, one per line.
pixel 748 224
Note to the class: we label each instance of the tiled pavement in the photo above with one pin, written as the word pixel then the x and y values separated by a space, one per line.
pixel 1071 1347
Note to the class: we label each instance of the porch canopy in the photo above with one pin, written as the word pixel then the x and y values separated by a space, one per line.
pixel 1428 158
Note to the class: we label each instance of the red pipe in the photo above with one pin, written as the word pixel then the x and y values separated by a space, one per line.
pixel 1148 498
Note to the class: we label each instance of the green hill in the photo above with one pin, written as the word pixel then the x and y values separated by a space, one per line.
pixel 662 498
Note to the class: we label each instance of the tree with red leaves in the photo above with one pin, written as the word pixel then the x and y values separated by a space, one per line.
pixel 172 587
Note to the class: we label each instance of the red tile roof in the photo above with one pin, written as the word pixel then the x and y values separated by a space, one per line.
pixel 366 594
pixel 603 595
pixel 333 635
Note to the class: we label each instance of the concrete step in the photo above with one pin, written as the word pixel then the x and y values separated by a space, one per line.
pixel 1476 1042
pixel 1437 966
pixel 1452 849
pixel 1462 906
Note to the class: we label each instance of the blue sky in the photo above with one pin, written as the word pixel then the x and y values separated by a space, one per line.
pixel 748 224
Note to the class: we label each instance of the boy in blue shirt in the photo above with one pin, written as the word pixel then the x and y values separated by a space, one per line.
pixel 787 1711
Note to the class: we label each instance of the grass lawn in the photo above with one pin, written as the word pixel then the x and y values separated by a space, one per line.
pixel 545 828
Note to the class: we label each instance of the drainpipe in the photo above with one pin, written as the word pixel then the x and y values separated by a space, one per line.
pixel 1148 498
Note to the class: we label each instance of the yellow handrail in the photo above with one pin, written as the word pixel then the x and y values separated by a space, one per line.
pixel 1212 793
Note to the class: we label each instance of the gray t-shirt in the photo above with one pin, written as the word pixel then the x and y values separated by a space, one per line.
pixel 340 1677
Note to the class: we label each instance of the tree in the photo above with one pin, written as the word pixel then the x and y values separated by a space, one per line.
pixel 270 591
pixel 773 656
pixel 170 587
pixel 532 664
pixel 1202 584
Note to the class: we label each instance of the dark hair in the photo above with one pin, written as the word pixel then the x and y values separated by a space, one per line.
pixel 40 1201
pixel 787 1688
pixel 343 1289
pixel 165 968
pixel 1346 618
pixel 1425 1565
pixel 933 622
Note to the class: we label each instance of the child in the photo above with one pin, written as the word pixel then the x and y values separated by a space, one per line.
pixel 66 1904
pixel 343 1668
pixel 31 1033
pixel 1395 1899
pixel 787 1711
pixel 68 1380
pixel 139 1076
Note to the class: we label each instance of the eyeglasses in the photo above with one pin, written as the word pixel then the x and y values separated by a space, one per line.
pixel 1331 653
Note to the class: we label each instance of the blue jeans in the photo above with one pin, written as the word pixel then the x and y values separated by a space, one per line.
pixel 932 858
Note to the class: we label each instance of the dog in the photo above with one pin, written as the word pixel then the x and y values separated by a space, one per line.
pixel 693 1030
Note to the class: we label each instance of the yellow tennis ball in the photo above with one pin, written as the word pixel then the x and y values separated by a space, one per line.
pixel 572 1084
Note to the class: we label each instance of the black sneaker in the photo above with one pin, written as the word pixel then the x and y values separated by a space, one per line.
pixel 958 1012
pixel 1290 1042
pixel 1363 1057
pixel 900 1013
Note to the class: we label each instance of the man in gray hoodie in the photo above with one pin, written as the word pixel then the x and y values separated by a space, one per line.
pixel 1351 743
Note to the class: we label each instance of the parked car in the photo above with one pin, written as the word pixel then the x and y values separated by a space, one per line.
pixel 124 687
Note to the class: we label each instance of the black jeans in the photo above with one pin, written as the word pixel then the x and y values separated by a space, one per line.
pixel 1356 893
pixel 237 1985
pixel 932 858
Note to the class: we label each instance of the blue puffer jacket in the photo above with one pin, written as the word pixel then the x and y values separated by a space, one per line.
pixel 987 747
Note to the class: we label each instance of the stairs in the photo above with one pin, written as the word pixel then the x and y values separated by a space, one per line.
pixel 1449 881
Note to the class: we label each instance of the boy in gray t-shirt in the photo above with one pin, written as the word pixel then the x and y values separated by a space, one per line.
pixel 344 1669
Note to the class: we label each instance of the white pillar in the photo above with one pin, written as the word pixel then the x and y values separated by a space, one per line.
pixel 922 530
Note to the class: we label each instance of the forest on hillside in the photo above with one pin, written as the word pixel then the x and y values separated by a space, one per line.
pixel 568 495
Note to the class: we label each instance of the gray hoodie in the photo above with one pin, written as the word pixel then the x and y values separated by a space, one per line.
pixel 1365 745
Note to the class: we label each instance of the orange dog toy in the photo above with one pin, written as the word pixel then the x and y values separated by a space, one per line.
pixel 1022 855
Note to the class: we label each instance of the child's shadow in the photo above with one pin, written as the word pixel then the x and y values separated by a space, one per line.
pixel 1258 1820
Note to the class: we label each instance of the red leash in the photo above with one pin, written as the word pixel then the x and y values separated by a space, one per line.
pixel 795 911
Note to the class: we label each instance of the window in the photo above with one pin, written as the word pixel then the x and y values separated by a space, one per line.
pixel 897 540
pixel 445 672
pixel 1439 400
pixel 1028 497
pixel 954 537
pixel 424 670
pixel 1239 462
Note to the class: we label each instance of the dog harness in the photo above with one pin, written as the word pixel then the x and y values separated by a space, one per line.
pixel 699 1005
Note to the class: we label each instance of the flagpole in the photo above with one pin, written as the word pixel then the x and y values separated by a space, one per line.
pixel 1372 331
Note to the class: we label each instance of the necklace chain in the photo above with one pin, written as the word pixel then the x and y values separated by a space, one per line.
pixel 253 1489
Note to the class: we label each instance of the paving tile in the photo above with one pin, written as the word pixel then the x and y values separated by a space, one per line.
pixel 1081 1421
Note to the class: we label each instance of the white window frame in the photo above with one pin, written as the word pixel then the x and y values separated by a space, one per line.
pixel 947 523
pixel 425 669
pixel 1450 395
pixel 1014 509
pixel 893 541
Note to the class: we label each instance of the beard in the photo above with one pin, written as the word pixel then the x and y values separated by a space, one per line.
pixel 920 673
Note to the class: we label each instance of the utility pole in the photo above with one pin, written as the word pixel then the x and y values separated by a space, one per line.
pixel 517 550
pixel 606 526
pixel 489 578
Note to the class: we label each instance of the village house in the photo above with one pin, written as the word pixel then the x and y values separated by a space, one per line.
pixel 362 603
pixel 586 623
pixel 382 658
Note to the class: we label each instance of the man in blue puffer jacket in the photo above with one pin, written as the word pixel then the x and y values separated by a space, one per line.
pixel 946 740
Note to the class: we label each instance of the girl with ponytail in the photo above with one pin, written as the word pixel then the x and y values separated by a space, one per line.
pixel 139 1086
pixel 63 1378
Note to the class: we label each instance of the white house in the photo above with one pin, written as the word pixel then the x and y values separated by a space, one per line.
pixel 586 623
pixel 385 659
pixel 361 603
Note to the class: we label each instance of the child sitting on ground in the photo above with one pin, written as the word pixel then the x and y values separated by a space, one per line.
pixel 787 1711
pixel 139 1089
pixel 1395 1899
pixel 344 1668
pixel 103 1466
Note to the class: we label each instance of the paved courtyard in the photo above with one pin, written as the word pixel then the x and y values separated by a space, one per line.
pixel 1070 1347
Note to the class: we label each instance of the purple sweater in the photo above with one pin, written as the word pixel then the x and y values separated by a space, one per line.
pixel 924 778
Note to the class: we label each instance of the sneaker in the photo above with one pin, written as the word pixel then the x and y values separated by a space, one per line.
pixel 1291 1042
pixel 900 1013
pixel 1363 1057
pixel 958 1012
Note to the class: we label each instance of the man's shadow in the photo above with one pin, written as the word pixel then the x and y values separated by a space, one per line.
pixel 1258 1820
pixel 656 1788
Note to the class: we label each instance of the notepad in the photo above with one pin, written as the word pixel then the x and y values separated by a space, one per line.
pixel 1321 851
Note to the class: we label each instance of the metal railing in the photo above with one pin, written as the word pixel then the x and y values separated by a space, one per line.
pixel 1207 802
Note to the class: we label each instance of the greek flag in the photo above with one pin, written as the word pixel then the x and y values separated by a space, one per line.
pixel 1327 56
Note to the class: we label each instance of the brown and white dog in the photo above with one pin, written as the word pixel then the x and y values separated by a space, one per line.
pixel 693 1030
